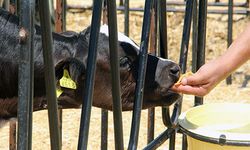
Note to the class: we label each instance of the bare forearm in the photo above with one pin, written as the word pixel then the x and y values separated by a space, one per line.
pixel 211 73
pixel 237 54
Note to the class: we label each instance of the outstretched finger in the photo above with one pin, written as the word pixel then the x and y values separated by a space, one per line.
pixel 191 90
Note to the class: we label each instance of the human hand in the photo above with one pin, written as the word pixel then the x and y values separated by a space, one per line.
pixel 202 82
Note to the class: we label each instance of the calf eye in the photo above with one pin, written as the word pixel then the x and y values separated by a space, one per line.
pixel 125 62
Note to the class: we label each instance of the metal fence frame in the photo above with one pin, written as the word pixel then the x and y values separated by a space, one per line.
pixel 159 20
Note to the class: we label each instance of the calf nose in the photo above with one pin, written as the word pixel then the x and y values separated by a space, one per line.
pixel 175 71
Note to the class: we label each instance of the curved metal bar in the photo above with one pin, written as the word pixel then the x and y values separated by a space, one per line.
pixel 26 76
pixel 91 67
pixel 171 121
pixel 157 142
pixel 133 141
pixel 115 74
pixel 49 74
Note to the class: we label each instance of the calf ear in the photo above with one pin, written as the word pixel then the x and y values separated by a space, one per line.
pixel 74 66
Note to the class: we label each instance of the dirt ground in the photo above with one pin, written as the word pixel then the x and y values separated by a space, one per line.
pixel 216 44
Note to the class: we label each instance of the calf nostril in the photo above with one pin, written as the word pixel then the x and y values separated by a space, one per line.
pixel 175 70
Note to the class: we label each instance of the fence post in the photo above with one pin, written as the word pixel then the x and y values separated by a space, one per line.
pixel 25 95
pixel 133 141
pixel 126 17
pixel 104 115
pixel 49 74
pixel 230 32
pixel 202 21
pixel 91 66
pixel 115 74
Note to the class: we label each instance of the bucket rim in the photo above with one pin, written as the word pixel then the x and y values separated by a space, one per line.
pixel 220 139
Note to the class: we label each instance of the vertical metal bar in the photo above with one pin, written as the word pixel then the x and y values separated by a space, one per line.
pixel 91 67
pixel 13 126
pixel 104 130
pixel 151 124
pixel 12 136
pixel 59 27
pixel 121 3
pixel 104 122
pixel 32 75
pixel 6 4
pixel 230 32
pixel 153 31
pixel 126 17
pixel 172 141
pixel 184 142
pixel 152 50
pixel 195 36
pixel 186 35
pixel 64 6
pixel 163 43
pixel 202 21
pixel 25 95
pixel 49 74
pixel 133 141
pixel 59 16
pixel 115 74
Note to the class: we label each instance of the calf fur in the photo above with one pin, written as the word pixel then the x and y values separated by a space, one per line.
pixel 70 53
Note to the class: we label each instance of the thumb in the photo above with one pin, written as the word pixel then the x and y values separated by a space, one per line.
pixel 191 80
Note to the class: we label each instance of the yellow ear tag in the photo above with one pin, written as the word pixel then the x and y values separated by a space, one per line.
pixel 66 81
pixel 58 92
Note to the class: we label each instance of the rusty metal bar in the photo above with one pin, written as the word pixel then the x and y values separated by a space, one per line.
pixel 60 25
pixel 91 67
pixel 47 44
pixel 12 136
pixel 25 76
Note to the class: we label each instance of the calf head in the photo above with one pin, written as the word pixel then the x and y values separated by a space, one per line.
pixel 161 74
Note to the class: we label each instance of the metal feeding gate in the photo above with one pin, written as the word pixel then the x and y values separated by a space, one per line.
pixel 154 21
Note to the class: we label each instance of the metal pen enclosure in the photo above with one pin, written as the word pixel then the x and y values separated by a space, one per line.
pixel 26 69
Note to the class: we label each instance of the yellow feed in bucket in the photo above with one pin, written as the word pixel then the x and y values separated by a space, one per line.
pixel 205 125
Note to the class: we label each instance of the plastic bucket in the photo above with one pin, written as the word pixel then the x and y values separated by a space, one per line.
pixel 224 126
